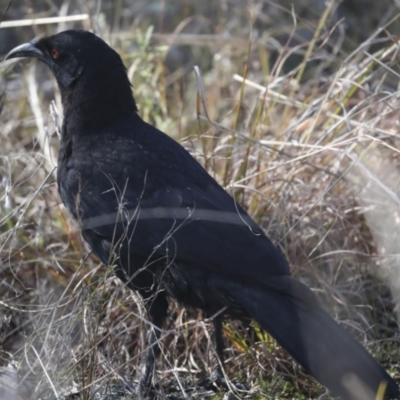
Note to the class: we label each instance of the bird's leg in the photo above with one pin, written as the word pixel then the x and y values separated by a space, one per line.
pixel 151 357
pixel 217 373
pixel 217 376
pixel 157 311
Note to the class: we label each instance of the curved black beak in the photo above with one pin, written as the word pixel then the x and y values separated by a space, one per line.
pixel 25 50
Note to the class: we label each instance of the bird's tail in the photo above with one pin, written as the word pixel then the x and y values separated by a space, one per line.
pixel 293 317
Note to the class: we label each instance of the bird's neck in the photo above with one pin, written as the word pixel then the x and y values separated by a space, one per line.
pixel 97 101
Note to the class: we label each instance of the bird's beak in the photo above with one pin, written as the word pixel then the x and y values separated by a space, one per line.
pixel 25 50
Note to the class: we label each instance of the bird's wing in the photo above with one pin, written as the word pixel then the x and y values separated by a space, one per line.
pixel 170 206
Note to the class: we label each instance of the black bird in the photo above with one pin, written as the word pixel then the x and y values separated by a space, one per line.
pixel 146 205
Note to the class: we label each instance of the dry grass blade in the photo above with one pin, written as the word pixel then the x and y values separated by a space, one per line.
pixel 307 139
pixel 43 21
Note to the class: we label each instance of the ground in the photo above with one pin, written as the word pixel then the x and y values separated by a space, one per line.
pixel 294 112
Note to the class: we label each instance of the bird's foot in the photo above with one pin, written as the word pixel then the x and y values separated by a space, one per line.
pixel 151 392
pixel 217 380
pixel 143 392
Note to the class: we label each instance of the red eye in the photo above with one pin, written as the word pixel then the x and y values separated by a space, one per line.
pixel 55 53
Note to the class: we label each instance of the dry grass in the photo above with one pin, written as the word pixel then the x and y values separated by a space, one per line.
pixel 309 149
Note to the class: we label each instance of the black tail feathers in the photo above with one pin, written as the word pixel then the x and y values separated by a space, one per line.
pixel 316 341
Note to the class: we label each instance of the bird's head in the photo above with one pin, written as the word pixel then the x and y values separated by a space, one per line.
pixel 90 74
pixel 66 53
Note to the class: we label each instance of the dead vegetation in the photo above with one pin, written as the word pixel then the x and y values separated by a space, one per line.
pixel 302 130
